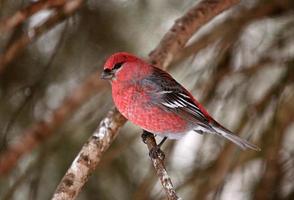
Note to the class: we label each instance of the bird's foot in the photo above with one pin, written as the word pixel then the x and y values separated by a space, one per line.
pixel 145 135
pixel 156 152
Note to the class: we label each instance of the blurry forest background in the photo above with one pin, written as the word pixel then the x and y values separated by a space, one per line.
pixel 240 66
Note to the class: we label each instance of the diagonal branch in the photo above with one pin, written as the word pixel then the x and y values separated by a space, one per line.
pixel 177 37
pixel 89 156
pixel 229 27
pixel 22 15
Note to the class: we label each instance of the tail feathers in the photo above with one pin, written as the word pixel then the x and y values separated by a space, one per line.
pixel 244 144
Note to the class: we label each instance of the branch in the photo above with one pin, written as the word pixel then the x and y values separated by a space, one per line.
pixel 228 29
pixel 31 35
pixel 171 43
pixel 185 27
pixel 20 16
pixel 160 168
pixel 89 156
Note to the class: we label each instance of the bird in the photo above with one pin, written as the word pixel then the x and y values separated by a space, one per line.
pixel 152 99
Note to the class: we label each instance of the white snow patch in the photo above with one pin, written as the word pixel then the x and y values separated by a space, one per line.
pixel 101 132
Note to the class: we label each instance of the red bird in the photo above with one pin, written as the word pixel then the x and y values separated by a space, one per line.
pixel 150 98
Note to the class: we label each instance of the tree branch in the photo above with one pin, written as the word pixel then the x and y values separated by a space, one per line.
pixel 185 27
pixel 89 156
pixel 227 29
pixel 22 15
pixel 158 164
pixel 31 35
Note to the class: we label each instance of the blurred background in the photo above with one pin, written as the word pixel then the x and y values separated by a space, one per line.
pixel 240 66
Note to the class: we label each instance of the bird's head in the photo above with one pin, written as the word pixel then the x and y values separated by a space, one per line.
pixel 123 66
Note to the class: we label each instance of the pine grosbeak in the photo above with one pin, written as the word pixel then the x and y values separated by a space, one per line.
pixel 150 98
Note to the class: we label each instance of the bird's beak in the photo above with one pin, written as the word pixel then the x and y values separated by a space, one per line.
pixel 107 75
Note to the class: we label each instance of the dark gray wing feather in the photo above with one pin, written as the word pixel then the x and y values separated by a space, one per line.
pixel 168 94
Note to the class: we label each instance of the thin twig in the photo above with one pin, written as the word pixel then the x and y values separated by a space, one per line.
pixel 158 164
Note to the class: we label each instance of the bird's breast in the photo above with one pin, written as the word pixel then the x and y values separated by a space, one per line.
pixel 135 103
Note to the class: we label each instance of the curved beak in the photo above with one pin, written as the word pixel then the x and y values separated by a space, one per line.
pixel 107 75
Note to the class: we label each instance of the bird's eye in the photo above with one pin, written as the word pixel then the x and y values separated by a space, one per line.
pixel 107 70
pixel 117 65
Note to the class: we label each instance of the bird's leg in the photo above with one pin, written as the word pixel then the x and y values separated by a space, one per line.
pixel 161 142
pixel 154 152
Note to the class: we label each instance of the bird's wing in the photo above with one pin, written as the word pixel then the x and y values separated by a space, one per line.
pixel 168 94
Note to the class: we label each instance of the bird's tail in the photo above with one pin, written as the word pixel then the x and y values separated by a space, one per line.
pixel 244 144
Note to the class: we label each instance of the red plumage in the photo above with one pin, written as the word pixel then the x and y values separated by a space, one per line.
pixel 150 98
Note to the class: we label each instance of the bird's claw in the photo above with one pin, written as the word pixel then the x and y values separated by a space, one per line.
pixel 144 137
pixel 156 152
